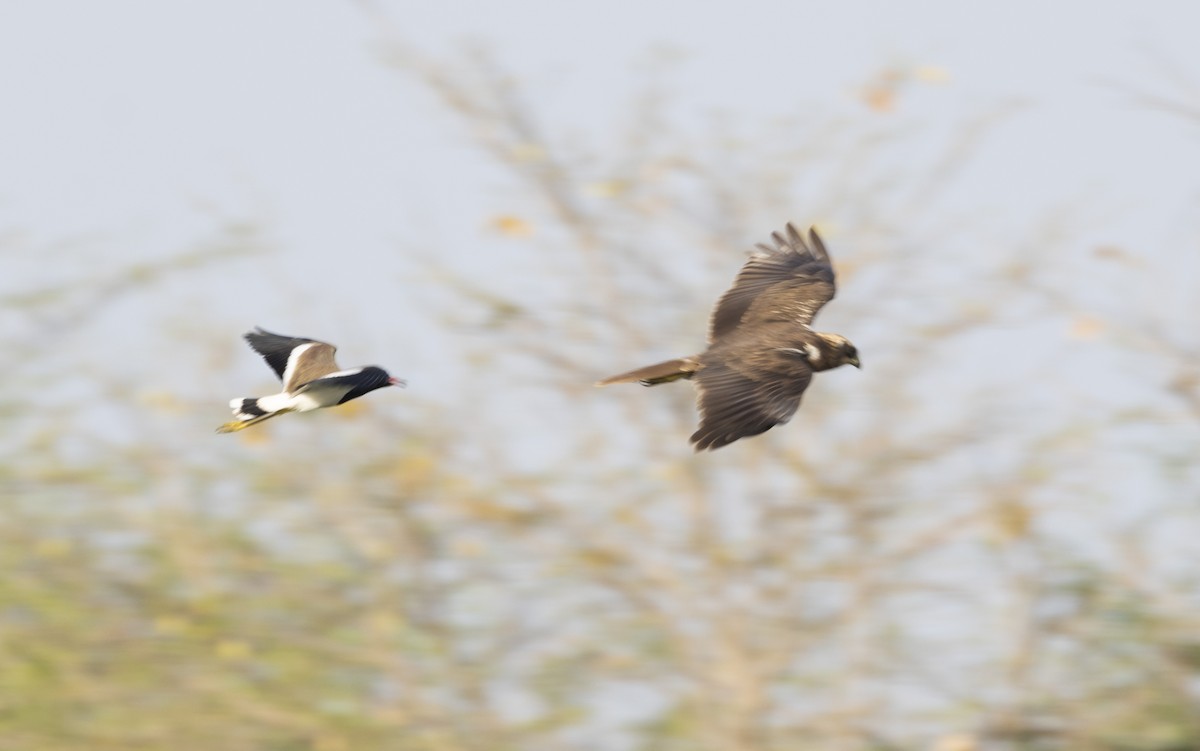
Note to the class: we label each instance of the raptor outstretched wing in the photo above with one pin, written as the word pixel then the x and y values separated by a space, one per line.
pixel 789 282
pixel 735 403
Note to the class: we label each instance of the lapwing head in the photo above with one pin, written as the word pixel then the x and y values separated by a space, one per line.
pixel 377 375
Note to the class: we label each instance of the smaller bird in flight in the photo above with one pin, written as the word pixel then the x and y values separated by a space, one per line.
pixel 311 379
pixel 761 353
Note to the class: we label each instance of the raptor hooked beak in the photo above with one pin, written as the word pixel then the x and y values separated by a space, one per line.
pixel 854 361
pixel 397 382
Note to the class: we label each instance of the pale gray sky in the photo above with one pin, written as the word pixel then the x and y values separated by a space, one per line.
pixel 137 125
pixel 132 128
pixel 128 112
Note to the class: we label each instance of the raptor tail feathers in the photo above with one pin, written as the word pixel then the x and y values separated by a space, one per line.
pixel 652 375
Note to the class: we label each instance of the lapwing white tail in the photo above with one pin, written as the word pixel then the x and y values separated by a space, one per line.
pixel 252 411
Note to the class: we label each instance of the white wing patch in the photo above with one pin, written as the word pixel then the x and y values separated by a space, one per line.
pixel 293 358
pixel 810 352
pixel 351 371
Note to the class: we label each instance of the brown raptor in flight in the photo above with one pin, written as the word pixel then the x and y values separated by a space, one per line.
pixel 762 352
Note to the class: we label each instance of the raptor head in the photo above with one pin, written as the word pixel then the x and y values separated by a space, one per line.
pixel 840 351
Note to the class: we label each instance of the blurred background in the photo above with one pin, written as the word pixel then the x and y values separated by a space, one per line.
pixel 986 539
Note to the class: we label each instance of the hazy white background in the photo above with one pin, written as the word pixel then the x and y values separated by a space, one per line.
pixel 135 130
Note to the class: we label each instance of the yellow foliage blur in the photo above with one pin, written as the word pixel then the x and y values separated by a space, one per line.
pixel 882 92
pixel 956 742
pixel 513 226
pixel 350 410
pixel 413 470
pixel 1011 521
pixel 1086 327
pixel 606 188
pixel 330 743
pixel 527 152
pixel 932 74
pixel 256 436
pixel 162 401
pixel 232 650
pixel 171 625
pixel 53 547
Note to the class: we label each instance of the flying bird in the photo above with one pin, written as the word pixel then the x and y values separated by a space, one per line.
pixel 762 352
pixel 311 379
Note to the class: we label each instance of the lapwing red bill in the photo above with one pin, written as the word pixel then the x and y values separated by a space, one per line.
pixel 311 379
pixel 762 352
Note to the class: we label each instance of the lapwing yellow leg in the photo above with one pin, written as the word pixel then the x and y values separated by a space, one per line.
pixel 236 425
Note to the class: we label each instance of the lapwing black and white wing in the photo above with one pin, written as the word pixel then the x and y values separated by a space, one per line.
pixel 789 282
pixel 736 402
pixel 295 360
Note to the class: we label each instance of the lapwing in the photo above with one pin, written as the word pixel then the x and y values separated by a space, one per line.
pixel 761 353
pixel 311 379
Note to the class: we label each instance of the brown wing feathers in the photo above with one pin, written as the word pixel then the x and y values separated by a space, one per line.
pixel 310 363
pixel 792 280
pixel 295 360
pixel 738 399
